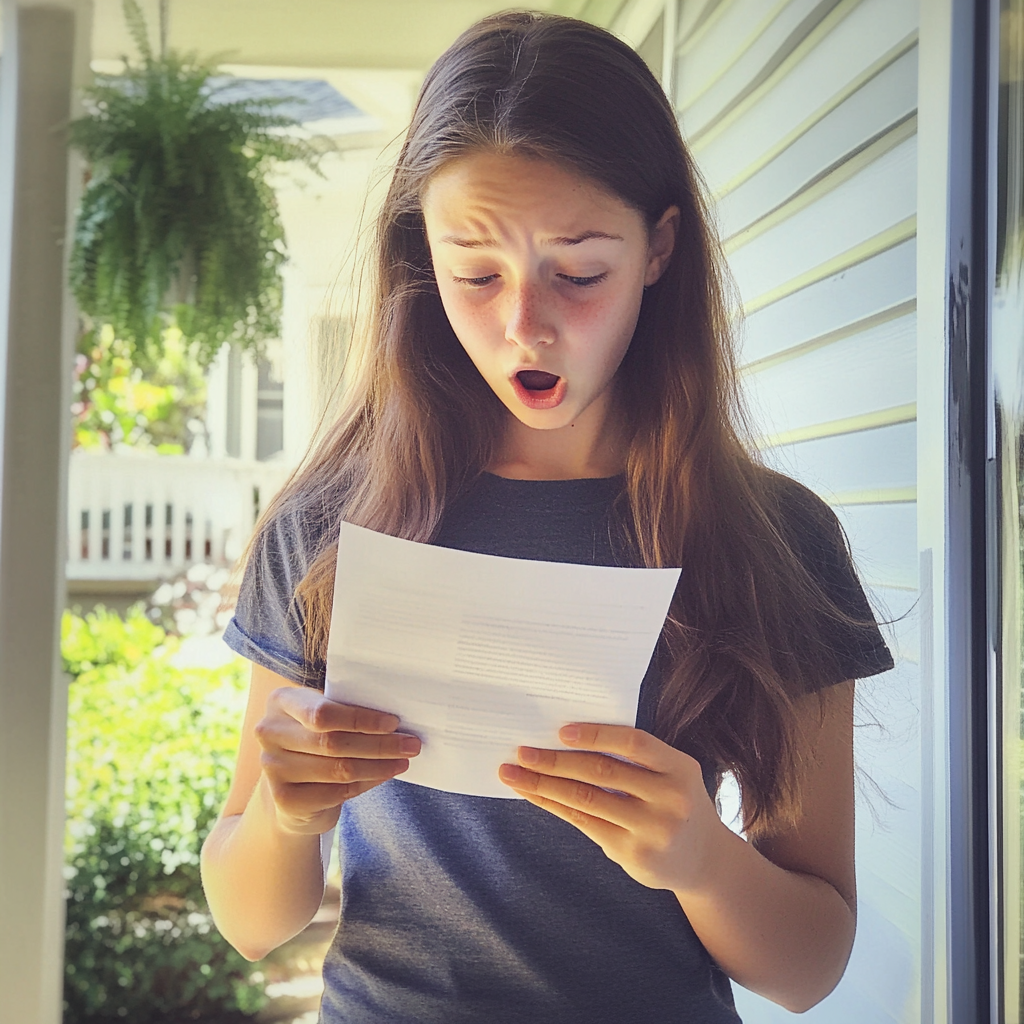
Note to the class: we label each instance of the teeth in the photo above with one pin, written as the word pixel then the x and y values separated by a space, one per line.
pixel 537 380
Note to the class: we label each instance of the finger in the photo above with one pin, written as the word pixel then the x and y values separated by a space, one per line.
pixel 639 746
pixel 604 833
pixel 355 744
pixel 291 768
pixel 320 714
pixel 579 797
pixel 306 801
pixel 286 733
pixel 596 769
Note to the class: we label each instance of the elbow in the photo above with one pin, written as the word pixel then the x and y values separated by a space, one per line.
pixel 799 996
pixel 242 944
pixel 239 935
pixel 811 988
pixel 803 1005
pixel 252 953
pixel 219 903
pixel 808 1002
pixel 245 944
pixel 814 991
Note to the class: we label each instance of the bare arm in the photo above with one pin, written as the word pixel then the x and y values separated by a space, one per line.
pixel 300 757
pixel 777 915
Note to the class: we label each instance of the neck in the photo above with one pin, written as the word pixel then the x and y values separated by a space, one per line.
pixel 592 446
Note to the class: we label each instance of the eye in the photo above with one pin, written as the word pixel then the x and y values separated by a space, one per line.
pixel 584 282
pixel 475 282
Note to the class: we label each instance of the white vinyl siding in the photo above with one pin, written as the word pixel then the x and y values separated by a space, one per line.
pixel 882 460
pixel 800 92
pixel 802 116
pixel 890 98
pixel 868 291
pixel 868 372
pixel 715 69
pixel 879 196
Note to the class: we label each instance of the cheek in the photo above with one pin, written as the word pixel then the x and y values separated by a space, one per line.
pixel 468 319
pixel 607 324
pixel 606 314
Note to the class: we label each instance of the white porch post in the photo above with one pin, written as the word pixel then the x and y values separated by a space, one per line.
pixel 44 47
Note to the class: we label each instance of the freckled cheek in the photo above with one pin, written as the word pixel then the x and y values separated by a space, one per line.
pixel 609 321
pixel 595 315
pixel 480 338
pixel 619 305
pixel 470 322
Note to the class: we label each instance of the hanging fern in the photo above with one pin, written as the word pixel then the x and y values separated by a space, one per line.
pixel 177 224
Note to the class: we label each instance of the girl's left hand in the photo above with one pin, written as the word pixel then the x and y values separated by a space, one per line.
pixel 660 825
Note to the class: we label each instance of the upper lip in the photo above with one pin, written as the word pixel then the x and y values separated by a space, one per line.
pixel 540 369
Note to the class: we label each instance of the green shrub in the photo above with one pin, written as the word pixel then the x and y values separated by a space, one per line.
pixel 117 405
pixel 151 750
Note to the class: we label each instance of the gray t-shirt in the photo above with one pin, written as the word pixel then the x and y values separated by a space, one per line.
pixel 461 909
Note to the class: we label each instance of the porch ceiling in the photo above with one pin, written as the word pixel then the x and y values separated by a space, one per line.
pixel 392 34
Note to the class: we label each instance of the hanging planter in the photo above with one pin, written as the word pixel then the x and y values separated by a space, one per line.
pixel 177 225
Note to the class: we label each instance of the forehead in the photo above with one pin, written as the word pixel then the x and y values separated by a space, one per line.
pixel 486 193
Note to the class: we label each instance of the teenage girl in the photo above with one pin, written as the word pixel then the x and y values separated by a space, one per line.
pixel 548 375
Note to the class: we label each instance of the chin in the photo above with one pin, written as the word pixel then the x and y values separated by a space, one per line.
pixel 545 419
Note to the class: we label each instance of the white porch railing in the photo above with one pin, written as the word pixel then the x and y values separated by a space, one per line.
pixel 142 517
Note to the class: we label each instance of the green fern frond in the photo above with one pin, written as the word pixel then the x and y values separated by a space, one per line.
pixel 177 222
pixel 138 29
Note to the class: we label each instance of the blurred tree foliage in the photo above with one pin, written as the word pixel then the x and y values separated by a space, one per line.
pixel 116 405
pixel 177 224
pixel 151 751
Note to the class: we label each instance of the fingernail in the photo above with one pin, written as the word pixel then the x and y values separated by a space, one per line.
pixel 570 732
pixel 409 745
pixel 529 755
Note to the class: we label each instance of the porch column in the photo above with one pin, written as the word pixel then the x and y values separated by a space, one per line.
pixel 43 50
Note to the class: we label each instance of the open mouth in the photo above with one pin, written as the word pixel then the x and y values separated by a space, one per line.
pixel 537 380
pixel 538 389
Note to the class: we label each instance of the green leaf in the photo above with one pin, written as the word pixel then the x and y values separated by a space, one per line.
pixel 151 751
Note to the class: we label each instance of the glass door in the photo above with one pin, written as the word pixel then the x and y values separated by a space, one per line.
pixel 1005 496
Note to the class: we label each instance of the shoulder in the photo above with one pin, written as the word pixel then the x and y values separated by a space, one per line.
pixel 844 620
pixel 268 626
pixel 297 529
pixel 806 523
pixel 289 540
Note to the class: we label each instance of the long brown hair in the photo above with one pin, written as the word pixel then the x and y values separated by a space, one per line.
pixel 745 635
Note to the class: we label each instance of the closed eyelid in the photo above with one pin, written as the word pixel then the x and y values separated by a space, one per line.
pixel 584 280
pixel 474 280
pixel 580 280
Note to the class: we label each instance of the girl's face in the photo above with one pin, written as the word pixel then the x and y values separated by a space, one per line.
pixel 541 273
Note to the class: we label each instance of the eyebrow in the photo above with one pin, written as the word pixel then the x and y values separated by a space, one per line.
pixel 490 243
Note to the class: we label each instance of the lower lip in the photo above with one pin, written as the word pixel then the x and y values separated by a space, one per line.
pixel 539 399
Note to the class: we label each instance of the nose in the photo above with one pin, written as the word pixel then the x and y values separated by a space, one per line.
pixel 528 321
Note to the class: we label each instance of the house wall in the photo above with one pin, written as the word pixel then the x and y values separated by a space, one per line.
pixel 322 218
pixel 802 115
pixel 322 215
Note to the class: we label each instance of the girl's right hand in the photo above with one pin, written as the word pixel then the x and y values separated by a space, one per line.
pixel 317 753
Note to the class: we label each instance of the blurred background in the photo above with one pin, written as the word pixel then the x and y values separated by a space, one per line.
pixel 168 359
